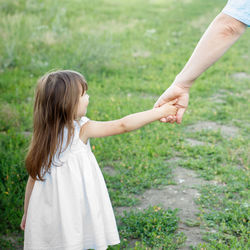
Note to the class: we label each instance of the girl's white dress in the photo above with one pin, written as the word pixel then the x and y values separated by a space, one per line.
pixel 71 210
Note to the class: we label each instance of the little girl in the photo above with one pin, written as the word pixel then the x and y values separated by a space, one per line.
pixel 69 207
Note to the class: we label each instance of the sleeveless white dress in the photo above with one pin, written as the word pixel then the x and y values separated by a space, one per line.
pixel 71 210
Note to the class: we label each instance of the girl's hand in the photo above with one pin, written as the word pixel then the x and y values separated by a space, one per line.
pixel 22 225
pixel 169 108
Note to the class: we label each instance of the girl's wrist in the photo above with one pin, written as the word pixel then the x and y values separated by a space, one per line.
pixel 159 111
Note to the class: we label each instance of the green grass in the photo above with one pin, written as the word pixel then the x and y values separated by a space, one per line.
pixel 154 227
pixel 129 51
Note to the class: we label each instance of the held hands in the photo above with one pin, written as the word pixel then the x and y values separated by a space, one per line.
pixel 169 109
pixel 181 94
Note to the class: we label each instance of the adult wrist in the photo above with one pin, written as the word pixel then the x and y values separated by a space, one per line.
pixel 182 82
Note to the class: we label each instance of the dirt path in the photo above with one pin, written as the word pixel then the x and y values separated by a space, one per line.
pixel 181 196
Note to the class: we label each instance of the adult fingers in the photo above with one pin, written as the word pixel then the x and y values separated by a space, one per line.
pixel 164 98
pixel 180 114
pixel 159 102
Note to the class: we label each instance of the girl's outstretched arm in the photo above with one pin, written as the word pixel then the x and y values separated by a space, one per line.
pixel 128 123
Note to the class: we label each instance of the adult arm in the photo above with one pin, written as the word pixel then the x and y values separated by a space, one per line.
pixel 221 34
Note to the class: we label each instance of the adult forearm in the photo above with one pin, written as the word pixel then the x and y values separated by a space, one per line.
pixel 28 191
pixel 221 34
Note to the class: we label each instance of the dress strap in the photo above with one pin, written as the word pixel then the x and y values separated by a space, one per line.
pixel 83 120
pixel 78 125
pixel 80 122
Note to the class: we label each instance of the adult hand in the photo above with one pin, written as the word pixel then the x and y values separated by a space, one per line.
pixel 175 91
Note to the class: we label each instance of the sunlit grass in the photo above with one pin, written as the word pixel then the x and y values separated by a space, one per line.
pixel 129 52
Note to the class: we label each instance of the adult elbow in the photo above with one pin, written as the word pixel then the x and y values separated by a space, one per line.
pixel 230 27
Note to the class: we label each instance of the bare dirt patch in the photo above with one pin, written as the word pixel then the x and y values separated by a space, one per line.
pixel 193 142
pixel 140 53
pixel 9 116
pixel 219 97
pixel 226 131
pixel 114 26
pixel 26 133
pixel 50 37
pixel 241 75
pixel 181 196
pixel 109 170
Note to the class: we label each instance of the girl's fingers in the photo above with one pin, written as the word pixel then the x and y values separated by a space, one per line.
pixel 23 222
pixel 173 120
pixel 169 118
pixel 173 102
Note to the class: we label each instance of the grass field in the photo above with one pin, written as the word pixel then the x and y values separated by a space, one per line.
pixel 130 52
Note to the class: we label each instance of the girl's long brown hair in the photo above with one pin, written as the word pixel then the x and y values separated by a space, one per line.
pixel 56 101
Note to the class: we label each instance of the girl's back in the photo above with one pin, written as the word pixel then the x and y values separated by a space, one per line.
pixel 69 206
pixel 71 209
